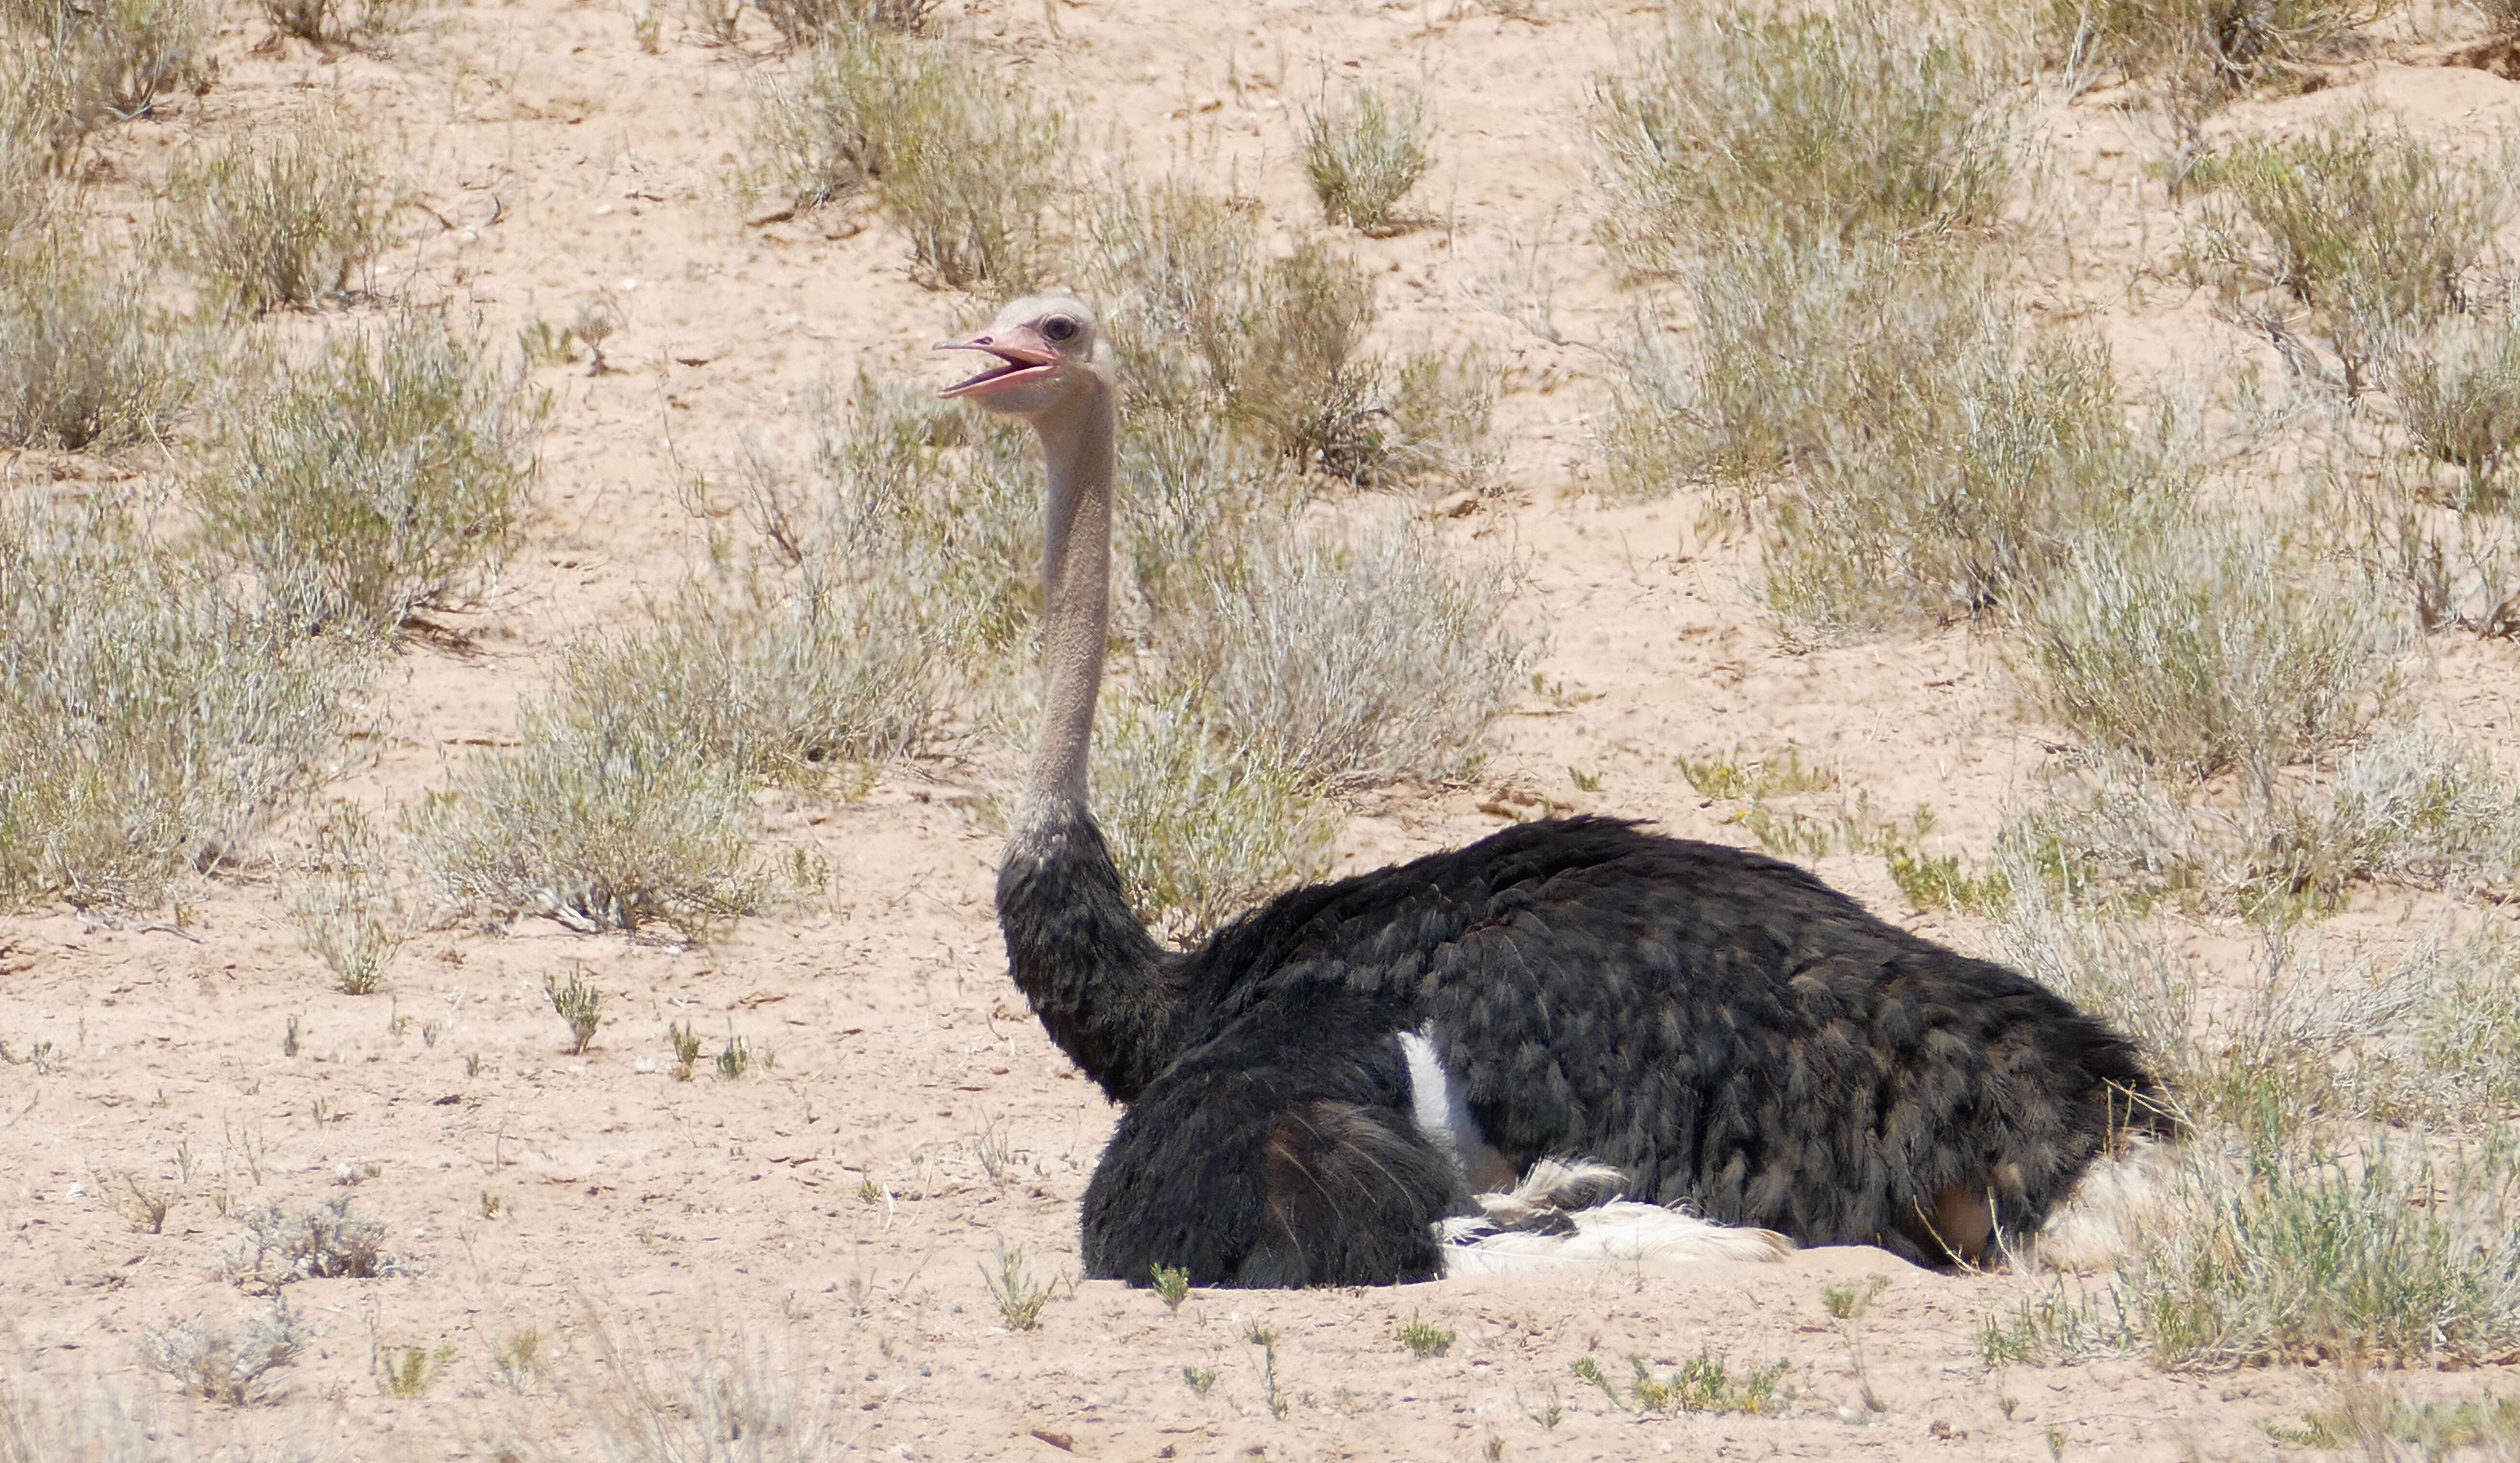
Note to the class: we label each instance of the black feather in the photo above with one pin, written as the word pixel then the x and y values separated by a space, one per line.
pixel 1727 1029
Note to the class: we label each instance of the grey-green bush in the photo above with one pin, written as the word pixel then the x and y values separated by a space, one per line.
pixel 384 475
pixel 150 722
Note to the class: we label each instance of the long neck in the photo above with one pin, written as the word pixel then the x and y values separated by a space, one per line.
pixel 1103 989
pixel 1080 446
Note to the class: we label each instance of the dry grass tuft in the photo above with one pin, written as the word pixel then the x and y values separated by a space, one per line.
pixel 1883 494
pixel 149 722
pixel 2200 647
pixel 1363 157
pixel 86 363
pixel 802 22
pixel 382 476
pixel 75 70
pixel 349 909
pixel 601 819
pixel 285 217
pixel 967 161
pixel 2200 54
pixel 1866 121
pixel 369 26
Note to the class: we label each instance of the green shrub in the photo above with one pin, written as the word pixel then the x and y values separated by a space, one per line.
pixel 1352 656
pixel 79 68
pixel 2203 53
pixel 2367 231
pixel 385 475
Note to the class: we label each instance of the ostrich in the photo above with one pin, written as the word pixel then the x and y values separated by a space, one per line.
pixel 1318 1093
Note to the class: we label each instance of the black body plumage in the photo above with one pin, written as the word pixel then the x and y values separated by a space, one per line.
pixel 1724 1027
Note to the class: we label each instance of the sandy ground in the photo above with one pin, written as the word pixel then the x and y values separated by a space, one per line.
pixel 827 1217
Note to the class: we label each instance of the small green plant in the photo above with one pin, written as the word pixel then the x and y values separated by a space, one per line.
pixel 492 1205
pixel 1200 1379
pixel 1847 1307
pixel 233 1367
pixel 1019 1296
pixel 385 476
pixel 349 909
pixel 410 1371
pixel 1271 1395
pixel 517 1357
pixel 1424 1339
pixel 1363 157
pixel 284 215
pixel 1705 1383
pixel 1589 1371
pixel 1172 1286
pixel 687 1048
pixel 579 1005
pixel 735 1057
pixel 1775 775
pixel 2368 230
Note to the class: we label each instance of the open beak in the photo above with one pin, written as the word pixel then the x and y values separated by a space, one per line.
pixel 1021 358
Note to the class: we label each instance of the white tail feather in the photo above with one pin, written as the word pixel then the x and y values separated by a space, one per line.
pixel 1606 1229
pixel 2121 1193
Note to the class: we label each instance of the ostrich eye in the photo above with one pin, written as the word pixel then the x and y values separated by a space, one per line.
pixel 1060 328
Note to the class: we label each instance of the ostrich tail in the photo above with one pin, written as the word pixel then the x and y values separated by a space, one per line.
pixel 2125 1192
pixel 1568 1213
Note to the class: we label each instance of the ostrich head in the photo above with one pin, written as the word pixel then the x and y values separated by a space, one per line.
pixel 1049 354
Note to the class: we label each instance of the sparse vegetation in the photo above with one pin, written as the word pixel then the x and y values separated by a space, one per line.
pixel 2459 390
pixel 2355 230
pixel 385 476
pixel 285 216
pixel 234 1367
pixel 149 720
pixel 1704 1383
pixel 78 69
pixel 1866 121
pixel 410 1371
pixel 322 1242
pixel 1378 655
pixel 600 821
pixel 349 909
pixel 965 162
pixel 86 362
pixel 2199 53
pixel 1203 828
pixel 687 1049
pixel 367 24
pixel 1364 156
pixel 802 22
pixel 2204 646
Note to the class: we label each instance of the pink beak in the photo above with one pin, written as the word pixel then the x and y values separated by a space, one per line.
pixel 1021 353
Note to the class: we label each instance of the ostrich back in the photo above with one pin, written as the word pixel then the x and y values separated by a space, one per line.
pixel 1727 1029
